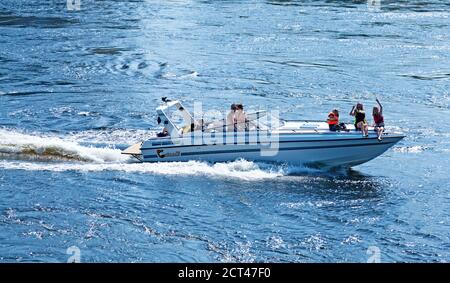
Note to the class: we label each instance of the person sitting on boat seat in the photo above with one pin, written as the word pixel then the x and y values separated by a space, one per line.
pixel 360 119
pixel 333 120
pixel 231 118
pixel 164 133
pixel 241 117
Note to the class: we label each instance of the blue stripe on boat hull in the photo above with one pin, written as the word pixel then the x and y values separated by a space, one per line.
pixel 280 149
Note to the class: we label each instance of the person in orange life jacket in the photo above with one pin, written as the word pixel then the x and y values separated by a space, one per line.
pixel 360 119
pixel 333 120
pixel 378 119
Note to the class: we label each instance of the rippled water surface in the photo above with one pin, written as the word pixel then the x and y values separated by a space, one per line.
pixel 78 86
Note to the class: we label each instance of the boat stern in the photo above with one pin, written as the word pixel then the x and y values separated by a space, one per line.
pixel 134 150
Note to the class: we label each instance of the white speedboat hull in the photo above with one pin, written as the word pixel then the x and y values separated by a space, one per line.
pixel 339 150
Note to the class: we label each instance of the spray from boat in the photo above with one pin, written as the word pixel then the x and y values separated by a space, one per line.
pixel 45 152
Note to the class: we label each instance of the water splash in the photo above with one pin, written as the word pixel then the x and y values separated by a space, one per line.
pixel 14 144
pixel 21 150
pixel 241 169
pixel 410 149
pixel 111 136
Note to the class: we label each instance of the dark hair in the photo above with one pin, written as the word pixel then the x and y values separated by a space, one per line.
pixel 233 106
pixel 375 111
pixel 359 106
pixel 240 106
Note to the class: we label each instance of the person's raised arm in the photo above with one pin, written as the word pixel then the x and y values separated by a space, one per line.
pixel 381 106
pixel 352 112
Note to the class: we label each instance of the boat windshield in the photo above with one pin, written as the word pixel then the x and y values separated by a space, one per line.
pixel 260 120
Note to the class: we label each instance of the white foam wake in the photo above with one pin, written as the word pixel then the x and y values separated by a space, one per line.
pixel 240 169
pixel 65 154
pixel 111 136
pixel 410 149
pixel 22 145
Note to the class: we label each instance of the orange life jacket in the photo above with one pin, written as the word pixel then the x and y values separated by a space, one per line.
pixel 333 119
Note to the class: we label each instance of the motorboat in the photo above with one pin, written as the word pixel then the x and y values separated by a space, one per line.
pixel 263 137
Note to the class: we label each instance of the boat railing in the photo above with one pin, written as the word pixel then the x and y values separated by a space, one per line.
pixel 305 120
pixel 224 132
pixel 224 127
pixel 309 121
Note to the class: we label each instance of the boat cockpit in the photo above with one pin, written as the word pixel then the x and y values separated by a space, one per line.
pixel 177 121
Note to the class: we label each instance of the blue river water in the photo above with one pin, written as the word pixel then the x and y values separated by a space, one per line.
pixel 76 86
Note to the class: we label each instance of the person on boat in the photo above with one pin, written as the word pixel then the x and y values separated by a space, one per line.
pixel 333 120
pixel 378 119
pixel 164 133
pixel 231 118
pixel 241 117
pixel 360 119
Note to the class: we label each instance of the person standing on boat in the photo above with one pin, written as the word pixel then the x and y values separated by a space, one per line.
pixel 241 117
pixel 378 119
pixel 333 120
pixel 231 118
pixel 360 119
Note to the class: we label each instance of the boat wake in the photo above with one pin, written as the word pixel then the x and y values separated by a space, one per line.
pixel 16 145
pixel 240 169
pixel 38 152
